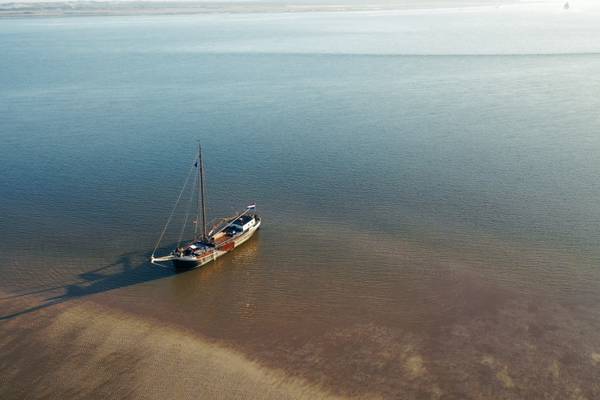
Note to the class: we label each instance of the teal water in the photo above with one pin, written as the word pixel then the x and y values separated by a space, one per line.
pixel 413 179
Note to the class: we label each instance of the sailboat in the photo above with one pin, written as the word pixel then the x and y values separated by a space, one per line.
pixel 207 245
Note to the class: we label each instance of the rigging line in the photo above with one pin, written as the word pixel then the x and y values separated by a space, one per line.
pixel 187 215
pixel 173 210
pixel 232 221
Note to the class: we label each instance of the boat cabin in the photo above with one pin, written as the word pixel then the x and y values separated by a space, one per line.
pixel 244 222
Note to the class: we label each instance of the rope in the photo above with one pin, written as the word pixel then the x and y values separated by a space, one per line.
pixel 173 211
pixel 160 265
pixel 232 221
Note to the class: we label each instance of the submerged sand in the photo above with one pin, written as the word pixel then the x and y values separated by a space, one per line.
pixel 83 350
pixel 445 325
pixel 473 338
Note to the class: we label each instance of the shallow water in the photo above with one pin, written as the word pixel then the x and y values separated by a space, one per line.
pixel 430 217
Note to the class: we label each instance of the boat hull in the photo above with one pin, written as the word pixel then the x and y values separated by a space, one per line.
pixel 191 262
pixel 184 263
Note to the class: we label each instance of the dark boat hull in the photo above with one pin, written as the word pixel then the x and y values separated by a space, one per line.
pixel 185 265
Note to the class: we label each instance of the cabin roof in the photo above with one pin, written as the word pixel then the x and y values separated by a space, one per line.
pixel 243 220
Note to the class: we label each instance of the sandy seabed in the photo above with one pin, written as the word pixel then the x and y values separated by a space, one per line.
pixel 84 350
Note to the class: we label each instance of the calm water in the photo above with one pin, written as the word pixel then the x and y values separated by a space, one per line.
pixel 428 183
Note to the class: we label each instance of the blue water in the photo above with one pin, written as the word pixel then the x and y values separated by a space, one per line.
pixel 408 169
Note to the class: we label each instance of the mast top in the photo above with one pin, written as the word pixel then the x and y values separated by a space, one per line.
pixel 201 193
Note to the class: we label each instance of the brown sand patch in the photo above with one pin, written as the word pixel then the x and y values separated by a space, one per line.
pixel 503 377
pixel 87 351
pixel 488 360
pixel 576 394
pixel 414 366
pixel 501 371
pixel 555 369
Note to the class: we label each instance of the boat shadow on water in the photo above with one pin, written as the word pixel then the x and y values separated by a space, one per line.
pixel 128 269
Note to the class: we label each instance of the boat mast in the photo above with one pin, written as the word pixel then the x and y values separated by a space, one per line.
pixel 202 201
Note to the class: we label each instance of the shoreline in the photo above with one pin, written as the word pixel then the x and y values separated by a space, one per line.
pixel 156 8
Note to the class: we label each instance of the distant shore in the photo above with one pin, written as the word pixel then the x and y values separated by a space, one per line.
pixel 125 8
